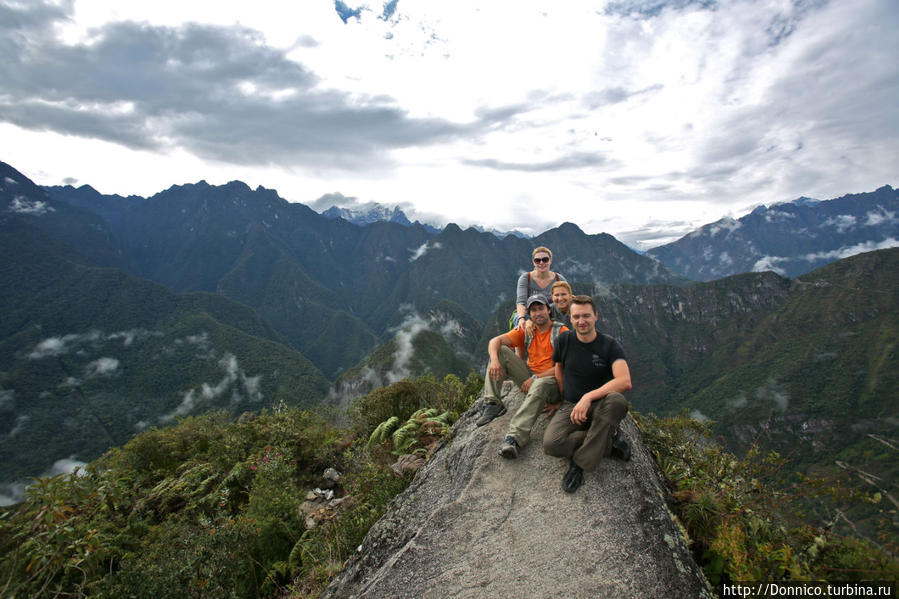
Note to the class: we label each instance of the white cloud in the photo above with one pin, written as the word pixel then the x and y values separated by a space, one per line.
pixel 128 337
pixel 423 249
pixel 53 346
pixel 841 222
pixel 771 262
pixel 697 415
pixel 405 335
pixel 21 421
pixel 880 216
pixel 724 259
pixel 766 263
pixel 727 225
pixel 847 251
pixel 101 367
pixel 738 402
pixel 12 493
pixel 24 205
pixel 66 466
pixel 234 380
pixel 7 397
pixel 772 392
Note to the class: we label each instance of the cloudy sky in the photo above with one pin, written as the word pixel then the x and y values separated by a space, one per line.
pixel 640 118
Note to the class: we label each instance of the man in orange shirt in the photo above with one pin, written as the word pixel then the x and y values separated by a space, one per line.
pixel 536 378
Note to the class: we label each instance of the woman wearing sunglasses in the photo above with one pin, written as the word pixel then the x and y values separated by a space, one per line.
pixel 539 280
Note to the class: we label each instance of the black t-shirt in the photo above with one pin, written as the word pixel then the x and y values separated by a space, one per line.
pixel 585 366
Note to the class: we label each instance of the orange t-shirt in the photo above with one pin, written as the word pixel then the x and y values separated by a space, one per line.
pixel 540 354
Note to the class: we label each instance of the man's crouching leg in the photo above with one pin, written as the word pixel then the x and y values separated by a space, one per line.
pixel 513 368
pixel 542 390
pixel 585 446
pixel 605 416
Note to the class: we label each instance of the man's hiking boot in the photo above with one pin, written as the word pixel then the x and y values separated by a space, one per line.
pixel 509 448
pixel 573 478
pixel 620 447
pixel 491 411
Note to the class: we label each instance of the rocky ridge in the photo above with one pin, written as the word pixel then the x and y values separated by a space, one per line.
pixel 472 524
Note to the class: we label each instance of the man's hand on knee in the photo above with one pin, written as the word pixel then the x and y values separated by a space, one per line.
pixel 550 409
pixel 495 370
pixel 526 385
pixel 580 411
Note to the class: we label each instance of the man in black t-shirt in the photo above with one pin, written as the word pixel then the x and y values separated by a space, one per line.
pixel 592 374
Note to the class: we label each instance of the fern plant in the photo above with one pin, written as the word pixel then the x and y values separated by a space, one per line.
pixel 383 430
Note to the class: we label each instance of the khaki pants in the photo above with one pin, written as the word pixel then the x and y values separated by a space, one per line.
pixel 543 390
pixel 513 368
pixel 585 444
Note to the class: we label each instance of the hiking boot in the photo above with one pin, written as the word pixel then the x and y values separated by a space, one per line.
pixel 620 447
pixel 573 478
pixel 509 448
pixel 491 411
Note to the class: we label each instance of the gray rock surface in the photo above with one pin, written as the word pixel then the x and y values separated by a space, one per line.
pixel 473 524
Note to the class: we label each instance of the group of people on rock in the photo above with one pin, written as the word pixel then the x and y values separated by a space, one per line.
pixel 565 367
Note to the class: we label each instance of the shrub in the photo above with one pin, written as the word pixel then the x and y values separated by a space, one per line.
pixel 742 515
pixel 404 398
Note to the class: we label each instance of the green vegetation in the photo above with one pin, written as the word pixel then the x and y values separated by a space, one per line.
pixel 215 508
pixel 744 517
pixel 91 356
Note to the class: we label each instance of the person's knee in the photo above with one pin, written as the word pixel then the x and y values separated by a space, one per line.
pixel 552 448
pixel 505 350
pixel 553 445
pixel 614 406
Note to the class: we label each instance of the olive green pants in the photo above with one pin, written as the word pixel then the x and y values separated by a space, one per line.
pixel 589 443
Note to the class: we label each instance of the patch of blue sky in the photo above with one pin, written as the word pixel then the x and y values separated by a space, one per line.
pixel 345 12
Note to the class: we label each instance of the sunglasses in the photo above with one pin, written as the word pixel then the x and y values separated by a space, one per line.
pixel 539 260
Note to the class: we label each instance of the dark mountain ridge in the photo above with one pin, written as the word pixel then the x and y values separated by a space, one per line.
pixel 317 279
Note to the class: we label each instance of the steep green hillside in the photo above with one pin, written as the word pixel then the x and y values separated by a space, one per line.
pixel 91 356
pixel 267 277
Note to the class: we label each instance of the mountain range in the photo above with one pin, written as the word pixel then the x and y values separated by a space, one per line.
pixel 372 212
pixel 124 312
pixel 315 279
pixel 789 238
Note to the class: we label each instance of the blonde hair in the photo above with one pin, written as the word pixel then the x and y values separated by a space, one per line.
pixel 561 284
pixel 537 250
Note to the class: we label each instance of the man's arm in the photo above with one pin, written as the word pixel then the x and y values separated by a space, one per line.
pixel 621 383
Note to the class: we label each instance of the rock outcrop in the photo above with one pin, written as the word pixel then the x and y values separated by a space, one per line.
pixel 473 524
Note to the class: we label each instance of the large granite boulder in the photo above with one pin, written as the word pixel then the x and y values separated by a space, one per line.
pixel 473 524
